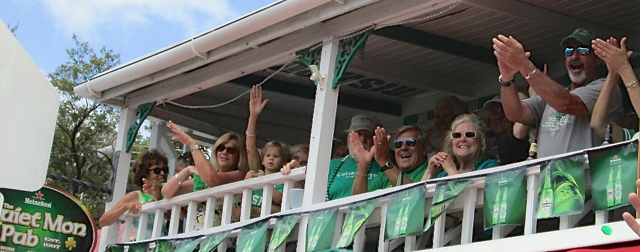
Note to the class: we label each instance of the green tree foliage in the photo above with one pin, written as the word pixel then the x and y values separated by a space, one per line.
pixel 83 126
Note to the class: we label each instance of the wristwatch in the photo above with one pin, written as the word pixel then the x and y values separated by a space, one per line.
pixel 504 84
pixel 388 165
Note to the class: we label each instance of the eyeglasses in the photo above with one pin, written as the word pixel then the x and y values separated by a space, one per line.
pixel 157 170
pixel 410 142
pixel 582 50
pixel 468 134
pixel 230 150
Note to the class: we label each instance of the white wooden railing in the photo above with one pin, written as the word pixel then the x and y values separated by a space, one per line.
pixel 467 203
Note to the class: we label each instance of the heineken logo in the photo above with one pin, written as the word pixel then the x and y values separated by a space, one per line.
pixel 615 160
pixel 39 196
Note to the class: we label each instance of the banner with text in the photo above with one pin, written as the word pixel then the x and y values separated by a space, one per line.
pixel 48 219
pixel 253 238
pixel 281 231
pixel 613 176
pixel 320 230
pixel 504 198
pixel 446 195
pixel 355 218
pixel 561 187
pixel 404 210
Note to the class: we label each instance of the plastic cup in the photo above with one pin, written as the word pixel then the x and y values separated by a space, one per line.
pixel 296 197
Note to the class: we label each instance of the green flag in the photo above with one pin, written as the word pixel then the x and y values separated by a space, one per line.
pixel 403 211
pixel 505 196
pixel 444 196
pixel 613 175
pixel 142 247
pixel 115 248
pixel 355 218
pixel 253 238
pixel 282 230
pixel 212 241
pixel 162 246
pixel 320 229
pixel 561 188
pixel 187 245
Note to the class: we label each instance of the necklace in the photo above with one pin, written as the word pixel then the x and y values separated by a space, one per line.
pixel 335 174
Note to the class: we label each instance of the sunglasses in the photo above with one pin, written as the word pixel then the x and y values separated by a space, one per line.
pixel 410 142
pixel 157 170
pixel 468 134
pixel 230 150
pixel 582 50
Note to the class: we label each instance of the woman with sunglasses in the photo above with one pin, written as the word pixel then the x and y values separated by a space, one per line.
pixel 228 164
pixel 150 170
pixel 465 150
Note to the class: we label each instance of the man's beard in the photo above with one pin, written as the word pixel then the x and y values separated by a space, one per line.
pixel 577 78
pixel 351 153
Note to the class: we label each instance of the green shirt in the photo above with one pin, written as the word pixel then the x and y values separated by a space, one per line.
pixel 382 181
pixel 256 196
pixel 198 184
pixel 487 163
pixel 342 183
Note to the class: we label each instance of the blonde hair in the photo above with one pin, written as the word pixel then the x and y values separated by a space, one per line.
pixel 283 148
pixel 298 148
pixel 243 164
pixel 479 128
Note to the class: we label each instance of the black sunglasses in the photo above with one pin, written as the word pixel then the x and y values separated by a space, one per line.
pixel 410 142
pixel 582 50
pixel 468 134
pixel 157 170
pixel 230 150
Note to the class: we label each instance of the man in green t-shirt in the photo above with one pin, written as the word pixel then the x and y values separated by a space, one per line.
pixel 410 152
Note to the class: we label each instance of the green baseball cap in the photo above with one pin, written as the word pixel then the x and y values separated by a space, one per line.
pixel 581 34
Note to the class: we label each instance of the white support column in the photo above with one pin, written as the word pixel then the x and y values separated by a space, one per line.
pixel 159 139
pixel 383 245
pixel 302 233
pixel 324 118
pixel 470 195
pixel 530 222
pixel 110 233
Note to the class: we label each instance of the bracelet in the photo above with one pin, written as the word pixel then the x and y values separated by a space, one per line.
pixel 361 175
pixel 531 74
pixel 249 135
pixel 632 84
pixel 195 148
pixel 178 178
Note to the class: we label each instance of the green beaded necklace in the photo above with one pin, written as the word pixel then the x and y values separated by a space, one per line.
pixel 335 173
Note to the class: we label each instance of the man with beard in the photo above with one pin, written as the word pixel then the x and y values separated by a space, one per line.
pixel 561 115
pixel 410 160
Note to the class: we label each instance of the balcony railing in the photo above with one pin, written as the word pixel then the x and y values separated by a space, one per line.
pixel 566 236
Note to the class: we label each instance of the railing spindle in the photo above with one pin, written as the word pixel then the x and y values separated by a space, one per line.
pixel 267 195
pixel 530 222
pixel 157 224
pixel 210 212
pixel 174 222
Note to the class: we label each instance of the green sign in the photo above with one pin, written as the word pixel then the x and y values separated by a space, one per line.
pixel 320 229
pixel 48 219
pixel 504 198
pixel 282 230
pixel 404 208
pixel 561 188
pixel 212 241
pixel 253 238
pixel 613 176
pixel 445 194
pixel 187 245
pixel 355 218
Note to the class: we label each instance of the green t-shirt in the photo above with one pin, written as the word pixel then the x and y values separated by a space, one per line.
pixel 487 163
pixel 256 196
pixel 342 183
pixel 382 181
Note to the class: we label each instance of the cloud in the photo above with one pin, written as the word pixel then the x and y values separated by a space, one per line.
pixel 88 18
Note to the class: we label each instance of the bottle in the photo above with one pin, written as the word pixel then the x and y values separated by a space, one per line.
pixel 607 135
pixel 503 207
pixel 496 208
pixel 567 196
pixel 346 233
pixel 610 191
pixel 618 188
pixel 533 148
pixel 546 197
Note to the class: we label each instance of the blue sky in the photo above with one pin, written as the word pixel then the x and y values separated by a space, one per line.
pixel 132 28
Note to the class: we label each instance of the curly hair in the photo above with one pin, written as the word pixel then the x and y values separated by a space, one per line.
pixel 243 164
pixel 480 128
pixel 144 161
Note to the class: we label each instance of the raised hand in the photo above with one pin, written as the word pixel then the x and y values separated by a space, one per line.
pixel 152 188
pixel 256 104
pixel 361 154
pixel 181 136
pixel 510 54
pixel 613 53
pixel 381 141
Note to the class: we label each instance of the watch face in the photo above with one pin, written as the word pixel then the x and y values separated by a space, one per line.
pixel 388 165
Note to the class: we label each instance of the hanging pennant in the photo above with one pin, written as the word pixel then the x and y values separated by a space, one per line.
pixel 142 247
pixel 320 229
pixel 561 188
pixel 212 241
pixel 115 248
pixel 162 246
pixel 355 218
pixel 282 230
pixel 253 238
pixel 445 195
pixel 403 211
pixel 505 196
pixel 613 175
pixel 187 245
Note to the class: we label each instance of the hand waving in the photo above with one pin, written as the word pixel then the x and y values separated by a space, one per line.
pixel 256 104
